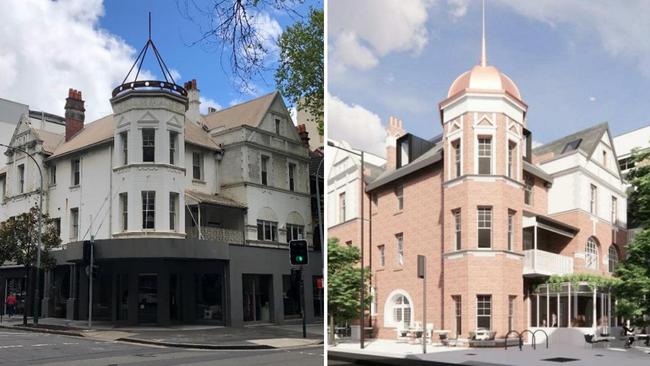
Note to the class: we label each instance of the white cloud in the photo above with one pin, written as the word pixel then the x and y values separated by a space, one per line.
pixel 361 128
pixel 376 28
pixel 175 75
pixel 592 99
pixel 621 27
pixel 49 46
pixel 293 112
pixel 206 103
pixel 269 31
pixel 458 8
pixel 347 51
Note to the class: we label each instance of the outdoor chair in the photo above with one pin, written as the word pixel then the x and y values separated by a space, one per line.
pixel 590 339
pixel 402 334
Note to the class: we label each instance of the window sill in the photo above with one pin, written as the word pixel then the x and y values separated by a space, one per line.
pixel 198 181
pixel 398 269
pixel 398 212
pixel 75 186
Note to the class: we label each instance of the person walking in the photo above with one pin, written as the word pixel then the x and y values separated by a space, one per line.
pixel 11 304
pixel 629 333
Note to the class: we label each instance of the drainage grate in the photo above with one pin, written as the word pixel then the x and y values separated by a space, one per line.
pixel 560 359
pixel 599 355
pixel 470 354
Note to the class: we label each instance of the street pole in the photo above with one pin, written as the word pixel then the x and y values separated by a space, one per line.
pixel 363 282
pixel 35 307
pixel 422 273
pixel 302 300
pixel 90 283
pixel 320 215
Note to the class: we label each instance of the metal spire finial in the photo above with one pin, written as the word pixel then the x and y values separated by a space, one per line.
pixel 149 25
pixel 483 52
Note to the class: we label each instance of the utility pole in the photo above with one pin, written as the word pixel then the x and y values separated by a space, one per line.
pixel 422 273
pixel 90 281
pixel 302 300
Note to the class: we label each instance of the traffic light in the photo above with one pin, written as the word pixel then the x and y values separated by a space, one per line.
pixel 298 253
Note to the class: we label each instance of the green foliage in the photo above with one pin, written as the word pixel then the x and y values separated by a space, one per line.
pixel 633 289
pixel 638 200
pixel 592 280
pixel 343 282
pixel 19 239
pixel 300 75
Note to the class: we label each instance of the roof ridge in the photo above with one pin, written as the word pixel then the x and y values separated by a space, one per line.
pixel 243 103
pixel 594 127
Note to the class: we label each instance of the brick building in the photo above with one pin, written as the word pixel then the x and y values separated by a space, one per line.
pixel 494 218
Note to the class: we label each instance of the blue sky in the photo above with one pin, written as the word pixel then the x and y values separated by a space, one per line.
pixel 576 64
pixel 90 45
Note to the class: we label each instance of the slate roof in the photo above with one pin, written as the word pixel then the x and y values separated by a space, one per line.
pixel 430 157
pixel 248 113
pixel 50 139
pixel 590 138
pixel 102 130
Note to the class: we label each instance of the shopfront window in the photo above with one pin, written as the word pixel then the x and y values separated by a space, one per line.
pixel 291 296
pixel 257 297
pixel 209 297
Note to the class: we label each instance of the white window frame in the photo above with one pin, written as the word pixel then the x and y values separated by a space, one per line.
pixel 291 175
pixel 21 178
pixel 173 211
pixel 399 194
pixel 490 138
pixel 124 140
pixel 124 211
pixel 511 229
pixel 612 261
pixel 148 208
pixel 75 162
pixel 614 210
pixel 399 241
pixel 74 223
pixel 149 143
pixel 342 207
pixel 52 175
pixel 295 232
pixel 200 166
pixel 173 147
pixel 479 302
pixel 591 253
pixel 593 199
pixel 382 255
pixel 458 228
pixel 390 307
pixel 482 223
pixel 265 161
pixel 273 230
pixel 529 188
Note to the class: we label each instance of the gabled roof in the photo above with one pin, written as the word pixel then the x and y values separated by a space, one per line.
pixel 102 130
pixel 91 134
pixel 50 139
pixel 430 157
pixel 248 113
pixel 589 139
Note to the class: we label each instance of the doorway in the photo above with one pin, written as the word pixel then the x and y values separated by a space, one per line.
pixel 257 293
pixel 147 298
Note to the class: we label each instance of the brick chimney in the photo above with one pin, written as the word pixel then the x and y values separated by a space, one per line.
pixel 304 135
pixel 394 130
pixel 74 113
pixel 193 112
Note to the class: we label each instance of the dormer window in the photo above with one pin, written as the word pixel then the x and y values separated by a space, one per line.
pixel 572 146
pixel 404 152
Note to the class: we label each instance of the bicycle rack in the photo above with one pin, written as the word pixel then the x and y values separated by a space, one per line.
pixel 545 334
pixel 518 336
pixel 521 336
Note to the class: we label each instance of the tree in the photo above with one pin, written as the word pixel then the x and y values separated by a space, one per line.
pixel 639 195
pixel 633 290
pixel 343 284
pixel 233 27
pixel 19 242
pixel 300 73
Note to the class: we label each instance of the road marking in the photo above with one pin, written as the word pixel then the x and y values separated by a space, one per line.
pixel 69 343
pixel 14 346
pixel 43 345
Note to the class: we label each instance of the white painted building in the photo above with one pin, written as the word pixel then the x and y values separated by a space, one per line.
pixel 626 144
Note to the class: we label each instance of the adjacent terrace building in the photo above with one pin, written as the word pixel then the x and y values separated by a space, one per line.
pixel 191 214
pixel 494 218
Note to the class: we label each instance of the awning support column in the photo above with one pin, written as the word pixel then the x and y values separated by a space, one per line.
pixel 568 314
pixel 594 323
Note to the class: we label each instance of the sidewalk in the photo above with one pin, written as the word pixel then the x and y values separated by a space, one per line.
pixel 262 336
pixel 577 356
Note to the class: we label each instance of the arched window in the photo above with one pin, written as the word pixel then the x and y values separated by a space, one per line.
pixel 398 310
pixel 613 258
pixel 591 254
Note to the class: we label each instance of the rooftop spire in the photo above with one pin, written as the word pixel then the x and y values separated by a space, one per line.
pixel 483 53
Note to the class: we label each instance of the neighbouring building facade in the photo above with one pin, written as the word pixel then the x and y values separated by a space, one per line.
pixel 494 219
pixel 344 193
pixel 191 214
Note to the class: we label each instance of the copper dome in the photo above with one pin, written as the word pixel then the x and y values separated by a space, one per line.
pixel 484 78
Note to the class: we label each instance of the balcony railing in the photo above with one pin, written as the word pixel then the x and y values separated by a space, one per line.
pixel 546 263
pixel 231 236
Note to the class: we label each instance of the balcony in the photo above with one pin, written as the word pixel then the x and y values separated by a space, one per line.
pixel 542 263
pixel 230 236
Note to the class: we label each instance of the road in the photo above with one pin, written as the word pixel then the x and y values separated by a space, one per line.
pixel 27 348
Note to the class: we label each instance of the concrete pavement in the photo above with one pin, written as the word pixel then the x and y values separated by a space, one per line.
pixel 30 348
pixel 261 336
pixel 386 352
